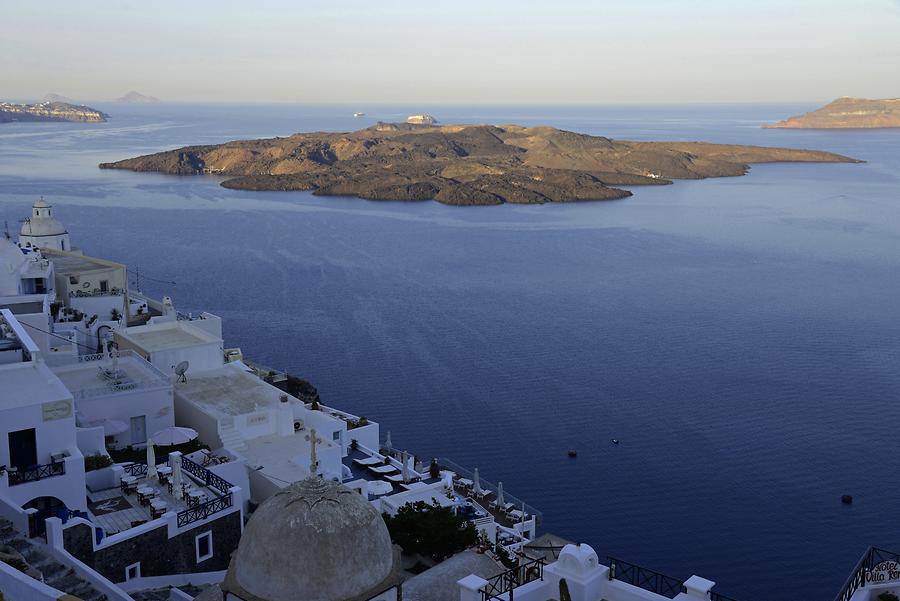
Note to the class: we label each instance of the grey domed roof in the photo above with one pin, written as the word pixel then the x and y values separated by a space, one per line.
pixel 315 540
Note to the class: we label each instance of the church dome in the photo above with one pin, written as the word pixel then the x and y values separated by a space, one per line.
pixel 42 222
pixel 42 226
pixel 315 540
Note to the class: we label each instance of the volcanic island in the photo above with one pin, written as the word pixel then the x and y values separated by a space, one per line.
pixel 462 164
pixel 847 113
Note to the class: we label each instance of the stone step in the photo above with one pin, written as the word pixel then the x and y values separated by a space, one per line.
pixel 55 574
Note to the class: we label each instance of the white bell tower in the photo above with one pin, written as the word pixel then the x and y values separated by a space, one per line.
pixel 42 230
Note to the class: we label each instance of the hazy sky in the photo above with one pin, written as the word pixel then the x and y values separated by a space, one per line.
pixel 459 51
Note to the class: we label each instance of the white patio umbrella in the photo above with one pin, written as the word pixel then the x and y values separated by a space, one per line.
pixel 151 461
pixel 174 435
pixel 500 501
pixel 387 441
pixel 176 480
pixel 405 460
pixel 476 483
pixel 111 427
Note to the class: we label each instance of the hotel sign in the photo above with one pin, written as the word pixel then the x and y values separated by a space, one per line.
pixel 56 410
pixel 886 571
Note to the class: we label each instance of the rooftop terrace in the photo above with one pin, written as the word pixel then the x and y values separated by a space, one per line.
pixel 165 336
pixel 229 390
pixel 104 374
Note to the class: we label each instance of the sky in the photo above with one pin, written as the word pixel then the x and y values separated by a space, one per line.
pixel 458 51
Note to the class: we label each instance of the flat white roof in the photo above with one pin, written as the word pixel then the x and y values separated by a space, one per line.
pixel 228 390
pixel 87 375
pixel 284 459
pixel 164 336
pixel 29 383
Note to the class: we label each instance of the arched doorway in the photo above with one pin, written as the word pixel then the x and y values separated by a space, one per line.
pixel 47 507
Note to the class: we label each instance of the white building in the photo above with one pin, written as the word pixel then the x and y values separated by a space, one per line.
pixel 42 466
pixel 23 271
pixel 120 392
pixel 578 574
pixel 42 230
pixel 167 343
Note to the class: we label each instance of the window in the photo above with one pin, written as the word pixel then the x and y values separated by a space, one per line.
pixel 204 546
pixel 133 571
pixel 104 286
pixel 336 436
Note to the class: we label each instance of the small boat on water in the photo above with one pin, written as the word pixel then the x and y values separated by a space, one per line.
pixel 358 115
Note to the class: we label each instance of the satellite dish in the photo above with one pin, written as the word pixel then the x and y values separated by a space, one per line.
pixel 181 369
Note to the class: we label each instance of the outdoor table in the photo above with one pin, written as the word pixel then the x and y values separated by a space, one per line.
pixel 464 482
pixel 128 484
pixel 157 507
pixel 195 497
pixel 144 494
pixel 163 470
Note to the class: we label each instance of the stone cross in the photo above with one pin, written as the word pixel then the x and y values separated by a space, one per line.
pixel 313 460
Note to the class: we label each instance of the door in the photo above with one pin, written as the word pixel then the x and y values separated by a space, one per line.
pixel 22 449
pixel 139 429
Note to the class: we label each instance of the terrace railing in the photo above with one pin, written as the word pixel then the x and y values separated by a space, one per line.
pixel 491 487
pixel 136 469
pixel 507 581
pixel 650 580
pixel 208 478
pixel 858 579
pixel 644 578
pixel 36 472
pixel 204 510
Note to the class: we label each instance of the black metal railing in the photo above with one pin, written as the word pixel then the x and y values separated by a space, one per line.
pixel 871 558
pixel 37 472
pixel 394 587
pixel 204 510
pixel 136 469
pixel 644 578
pixel 714 596
pixel 512 578
pixel 207 477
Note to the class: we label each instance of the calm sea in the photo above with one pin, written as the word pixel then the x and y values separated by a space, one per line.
pixel 739 336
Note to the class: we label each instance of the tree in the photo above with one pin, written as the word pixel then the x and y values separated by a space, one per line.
pixel 430 530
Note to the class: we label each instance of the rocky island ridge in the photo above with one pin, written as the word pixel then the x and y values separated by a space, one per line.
pixel 461 164
pixel 847 113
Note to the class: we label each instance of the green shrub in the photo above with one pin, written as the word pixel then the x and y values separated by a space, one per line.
pixel 96 462
pixel 430 530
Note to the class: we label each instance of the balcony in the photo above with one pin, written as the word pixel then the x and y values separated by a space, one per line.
pixel 35 473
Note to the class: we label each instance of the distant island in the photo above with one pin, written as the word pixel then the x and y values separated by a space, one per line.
pixel 133 97
pixel 847 113
pixel 462 164
pixel 51 97
pixel 50 111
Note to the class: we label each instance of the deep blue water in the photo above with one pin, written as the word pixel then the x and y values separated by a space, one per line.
pixel 739 335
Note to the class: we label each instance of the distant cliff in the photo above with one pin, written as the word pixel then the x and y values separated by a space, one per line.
pixel 50 111
pixel 847 113
pixel 461 164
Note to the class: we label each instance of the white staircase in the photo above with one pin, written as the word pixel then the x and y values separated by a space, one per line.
pixel 54 574
pixel 231 438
